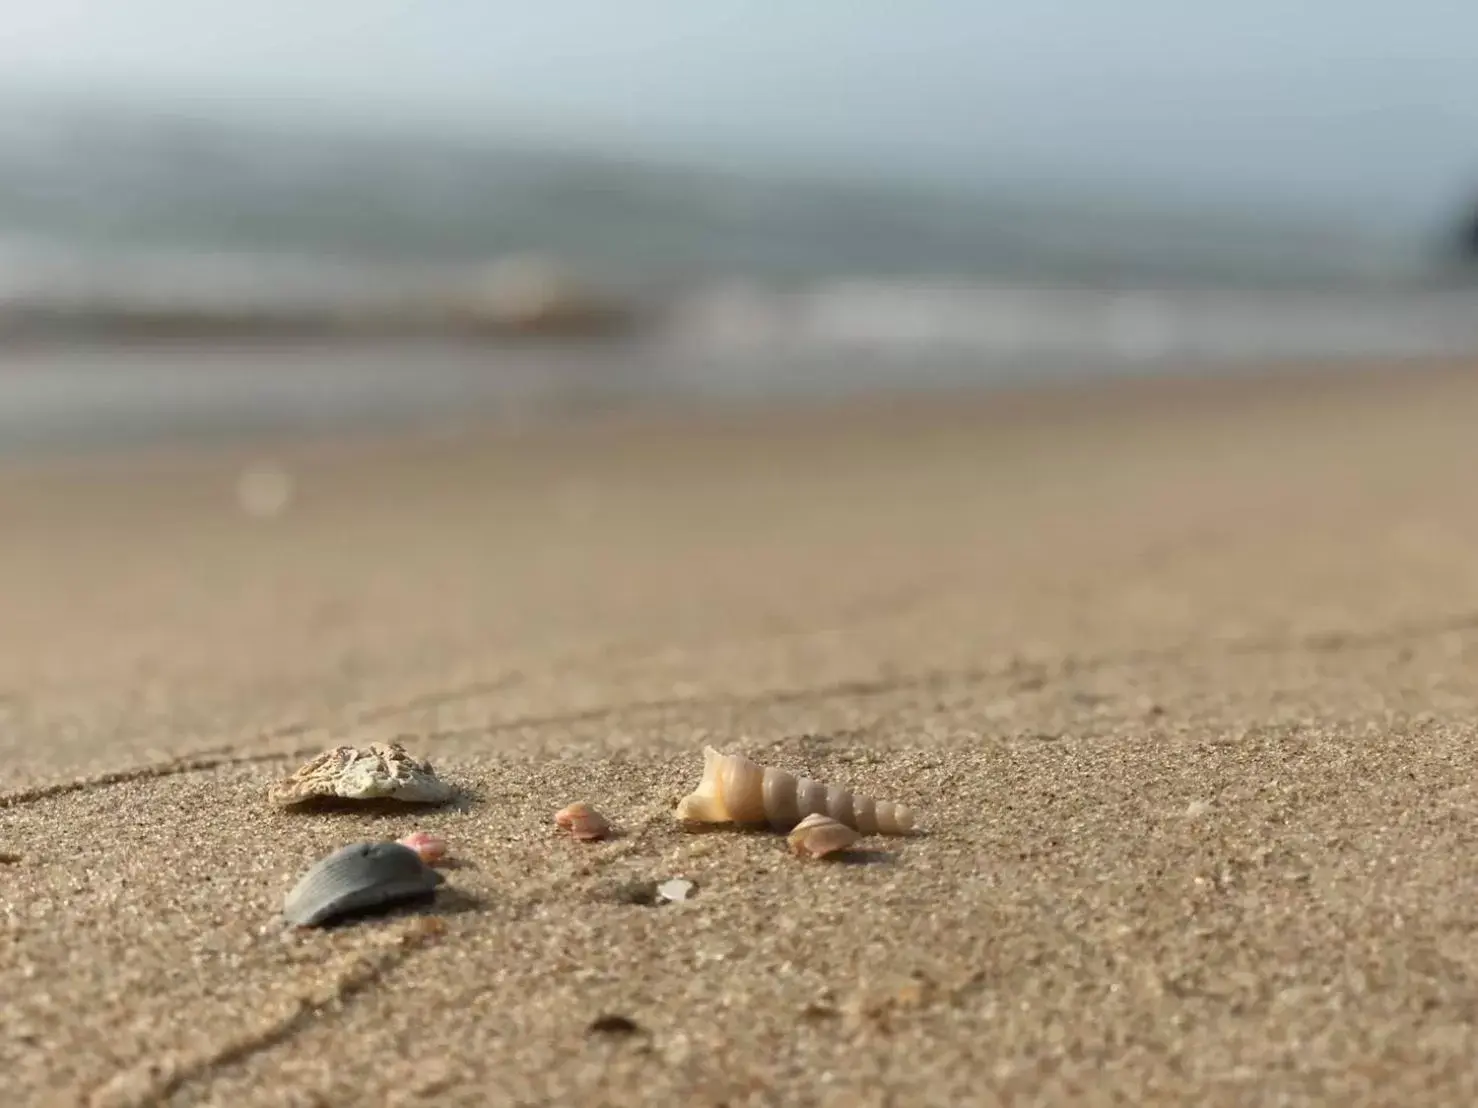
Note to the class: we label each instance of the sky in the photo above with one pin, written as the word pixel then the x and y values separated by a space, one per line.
pixel 1313 101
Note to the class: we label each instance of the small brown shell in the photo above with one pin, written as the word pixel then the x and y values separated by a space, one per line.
pixel 582 822
pixel 819 835
pixel 356 878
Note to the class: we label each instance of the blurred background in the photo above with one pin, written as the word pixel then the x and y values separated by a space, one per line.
pixel 227 216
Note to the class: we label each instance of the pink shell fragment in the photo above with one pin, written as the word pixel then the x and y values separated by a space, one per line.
pixel 431 848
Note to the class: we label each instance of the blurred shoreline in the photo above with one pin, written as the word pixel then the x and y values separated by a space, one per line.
pixel 106 398
pixel 167 277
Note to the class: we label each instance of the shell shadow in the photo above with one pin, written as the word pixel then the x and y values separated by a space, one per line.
pixel 444 900
pixel 863 857
pixel 763 829
pixel 452 901
pixel 459 801
pixel 611 835
pixel 694 828
pixel 455 863
pixel 639 892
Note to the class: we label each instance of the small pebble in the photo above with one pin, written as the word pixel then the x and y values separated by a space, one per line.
pixel 614 1024
pixel 264 491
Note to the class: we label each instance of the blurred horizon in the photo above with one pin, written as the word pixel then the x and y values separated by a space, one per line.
pixel 1353 107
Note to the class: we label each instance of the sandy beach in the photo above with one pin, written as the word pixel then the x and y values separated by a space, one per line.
pixel 1180 678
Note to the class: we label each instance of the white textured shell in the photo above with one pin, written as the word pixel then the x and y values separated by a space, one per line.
pixel 356 878
pixel 819 835
pixel 737 790
pixel 385 771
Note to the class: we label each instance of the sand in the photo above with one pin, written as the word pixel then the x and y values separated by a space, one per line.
pixel 1180 678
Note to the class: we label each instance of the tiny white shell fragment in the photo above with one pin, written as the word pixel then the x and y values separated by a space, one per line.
pixel 675 890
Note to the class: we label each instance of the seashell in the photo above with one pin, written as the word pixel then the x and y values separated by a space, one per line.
pixel 582 822
pixel 431 848
pixel 383 772
pixel 819 835
pixel 737 790
pixel 675 890
pixel 358 878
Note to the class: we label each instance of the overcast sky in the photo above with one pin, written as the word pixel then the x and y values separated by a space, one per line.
pixel 1339 99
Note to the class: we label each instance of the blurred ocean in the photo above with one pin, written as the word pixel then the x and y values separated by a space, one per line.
pixel 167 267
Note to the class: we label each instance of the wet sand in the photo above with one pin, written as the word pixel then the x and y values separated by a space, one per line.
pixel 1180 678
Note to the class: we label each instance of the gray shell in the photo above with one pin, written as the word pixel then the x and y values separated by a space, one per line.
pixel 357 878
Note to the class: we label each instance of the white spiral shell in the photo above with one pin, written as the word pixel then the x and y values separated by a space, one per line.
pixel 737 790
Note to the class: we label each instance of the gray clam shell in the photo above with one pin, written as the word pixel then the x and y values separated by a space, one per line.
pixel 357 878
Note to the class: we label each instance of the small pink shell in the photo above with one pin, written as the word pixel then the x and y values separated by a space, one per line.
pixel 431 848
pixel 582 822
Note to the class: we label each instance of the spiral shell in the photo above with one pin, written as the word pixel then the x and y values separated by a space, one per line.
pixel 357 878
pixel 737 790
pixel 583 822
pixel 819 835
